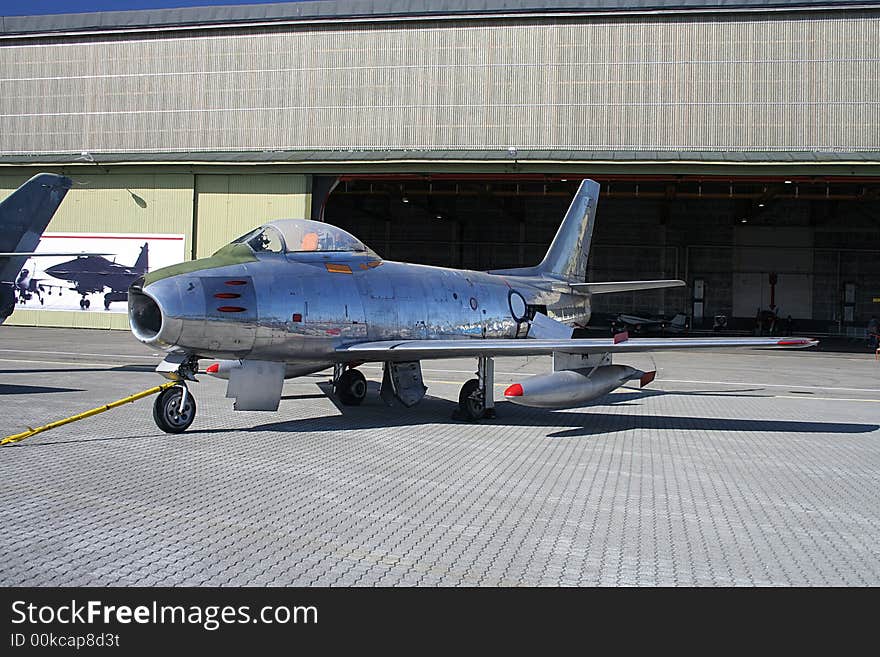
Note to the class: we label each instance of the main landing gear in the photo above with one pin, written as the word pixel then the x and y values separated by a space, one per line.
pixel 349 385
pixel 477 397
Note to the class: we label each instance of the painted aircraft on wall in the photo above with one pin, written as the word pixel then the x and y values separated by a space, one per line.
pixel 95 273
pixel 294 297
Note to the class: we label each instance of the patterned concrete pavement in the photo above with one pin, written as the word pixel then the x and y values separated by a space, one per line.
pixel 734 468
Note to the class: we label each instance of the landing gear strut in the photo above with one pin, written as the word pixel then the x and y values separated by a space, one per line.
pixel 349 385
pixel 477 397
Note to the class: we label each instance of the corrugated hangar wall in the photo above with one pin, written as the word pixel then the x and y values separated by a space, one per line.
pixel 208 209
pixel 722 82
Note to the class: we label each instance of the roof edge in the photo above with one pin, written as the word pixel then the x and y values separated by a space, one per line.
pixel 511 158
pixel 322 11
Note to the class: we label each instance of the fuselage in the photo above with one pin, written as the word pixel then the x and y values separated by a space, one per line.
pixel 299 307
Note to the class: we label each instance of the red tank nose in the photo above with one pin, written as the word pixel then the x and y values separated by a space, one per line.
pixel 514 391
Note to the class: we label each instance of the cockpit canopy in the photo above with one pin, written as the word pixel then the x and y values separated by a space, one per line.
pixel 301 236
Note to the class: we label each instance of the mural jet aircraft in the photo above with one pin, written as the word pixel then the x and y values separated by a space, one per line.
pixel 28 287
pixel 94 273
pixel 294 297
pixel 24 215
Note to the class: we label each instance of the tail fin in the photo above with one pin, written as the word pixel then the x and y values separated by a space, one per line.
pixel 567 256
pixel 24 216
pixel 568 253
pixel 142 264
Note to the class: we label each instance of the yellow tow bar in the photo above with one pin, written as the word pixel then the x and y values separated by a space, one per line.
pixel 81 416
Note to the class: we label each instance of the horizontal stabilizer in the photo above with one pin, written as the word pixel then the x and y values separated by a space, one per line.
pixel 624 286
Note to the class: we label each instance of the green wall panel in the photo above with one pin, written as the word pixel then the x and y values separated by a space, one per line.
pixel 230 205
pixel 68 319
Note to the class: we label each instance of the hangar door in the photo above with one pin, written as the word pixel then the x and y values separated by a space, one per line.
pixel 773 266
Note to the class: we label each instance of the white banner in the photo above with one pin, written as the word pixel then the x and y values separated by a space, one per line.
pixel 98 279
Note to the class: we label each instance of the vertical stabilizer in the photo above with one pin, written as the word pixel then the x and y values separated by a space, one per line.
pixel 567 256
pixel 142 264
pixel 24 215
pixel 568 253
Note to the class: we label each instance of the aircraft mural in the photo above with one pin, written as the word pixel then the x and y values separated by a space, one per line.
pixel 104 266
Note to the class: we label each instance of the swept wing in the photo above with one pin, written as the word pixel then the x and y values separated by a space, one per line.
pixel 408 350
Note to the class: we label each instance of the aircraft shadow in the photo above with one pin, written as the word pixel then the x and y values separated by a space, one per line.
pixel 374 414
pixel 9 389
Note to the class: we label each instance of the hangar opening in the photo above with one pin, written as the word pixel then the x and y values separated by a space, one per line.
pixel 753 250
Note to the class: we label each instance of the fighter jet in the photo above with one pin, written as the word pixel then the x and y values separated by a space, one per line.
pixel 28 286
pixel 294 297
pixel 93 273
pixel 24 215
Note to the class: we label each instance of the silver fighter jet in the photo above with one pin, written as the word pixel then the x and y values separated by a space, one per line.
pixel 294 297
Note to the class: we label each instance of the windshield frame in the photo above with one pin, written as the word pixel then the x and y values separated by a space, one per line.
pixel 249 237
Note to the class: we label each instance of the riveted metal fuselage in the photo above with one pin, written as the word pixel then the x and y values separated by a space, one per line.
pixel 301 307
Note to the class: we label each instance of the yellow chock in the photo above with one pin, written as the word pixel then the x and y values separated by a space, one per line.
pixel 81 416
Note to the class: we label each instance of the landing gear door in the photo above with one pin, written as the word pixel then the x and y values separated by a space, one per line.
pixel 403 381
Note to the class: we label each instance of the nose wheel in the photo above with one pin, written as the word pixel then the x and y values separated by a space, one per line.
pixel 174 409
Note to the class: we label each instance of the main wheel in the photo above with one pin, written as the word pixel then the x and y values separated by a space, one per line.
pixel 470 400
pixel 351 387
pixel 168 415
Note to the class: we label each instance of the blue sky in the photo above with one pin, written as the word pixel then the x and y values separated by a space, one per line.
pixel 32 7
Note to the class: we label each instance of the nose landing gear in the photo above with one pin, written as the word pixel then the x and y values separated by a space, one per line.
pixel 174 409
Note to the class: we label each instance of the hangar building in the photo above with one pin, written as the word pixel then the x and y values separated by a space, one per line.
pixel 736 141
